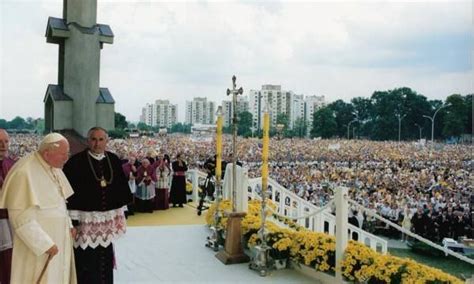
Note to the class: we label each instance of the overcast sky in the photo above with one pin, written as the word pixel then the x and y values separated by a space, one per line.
pixel 180 50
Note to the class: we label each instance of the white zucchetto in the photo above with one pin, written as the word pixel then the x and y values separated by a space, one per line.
pixel 52 138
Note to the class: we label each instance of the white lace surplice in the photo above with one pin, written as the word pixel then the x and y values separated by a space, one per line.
pixel 98 228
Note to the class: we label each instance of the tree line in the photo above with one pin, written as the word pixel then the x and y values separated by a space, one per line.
pixel 21 125
pixel 388 115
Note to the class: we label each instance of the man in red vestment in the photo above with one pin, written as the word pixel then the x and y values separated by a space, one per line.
pixel 5 231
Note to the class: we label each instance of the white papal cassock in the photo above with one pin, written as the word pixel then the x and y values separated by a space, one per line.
pixel 35 195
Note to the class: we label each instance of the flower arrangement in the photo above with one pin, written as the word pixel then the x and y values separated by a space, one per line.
pixel 189 188
pixel 317 250
pixel 362 264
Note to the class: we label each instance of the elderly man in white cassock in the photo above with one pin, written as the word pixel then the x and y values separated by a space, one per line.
pixel 35 192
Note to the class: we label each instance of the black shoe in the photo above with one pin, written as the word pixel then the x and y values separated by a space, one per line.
pixel 181 205
pixel 174 205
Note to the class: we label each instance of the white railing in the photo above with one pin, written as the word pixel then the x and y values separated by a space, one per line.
pixel 291 205
pixel 196 177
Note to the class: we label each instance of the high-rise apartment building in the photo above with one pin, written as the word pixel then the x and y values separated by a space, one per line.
pixel 297 109
pixel 271 96
pixel 160 114
pixel 200 111
pixel 313 103
pixel 282 102
pixel 227 111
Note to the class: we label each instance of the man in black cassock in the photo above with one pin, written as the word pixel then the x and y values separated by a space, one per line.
pixel 97 207
pixel 178 184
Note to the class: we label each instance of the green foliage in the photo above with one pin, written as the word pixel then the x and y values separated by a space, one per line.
pixel 227 129
pixel 120 121
pixel 468 102
pixel 143 126
pixel 343 114
pixel 282 118
pixel 299 128
pixel 386 104
pixel 434 258
pixel 118 133
pixel 455 117
pixel 39 126
pixel 376 117
pixel 17 123
pixel 324 123
pixel 405 102
pixel 180 128
pixel 3 123
pixel 245 124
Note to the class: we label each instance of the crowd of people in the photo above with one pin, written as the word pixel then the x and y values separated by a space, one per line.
pixel 421 187
pixel 418 186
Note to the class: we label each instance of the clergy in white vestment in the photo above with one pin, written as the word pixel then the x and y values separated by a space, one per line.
pixel 242 185
pixel 35 192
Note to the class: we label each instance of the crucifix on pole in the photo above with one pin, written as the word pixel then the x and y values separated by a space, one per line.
pixel 233 251
pixel 234 93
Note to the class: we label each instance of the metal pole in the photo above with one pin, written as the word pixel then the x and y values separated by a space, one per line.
pixel 234 150
pixel 419 128
pixel 432 130
pixel 348 125
pixel 234 93
pixel 400 118
pixel 233 252
pixel 433 120
pixel 399 128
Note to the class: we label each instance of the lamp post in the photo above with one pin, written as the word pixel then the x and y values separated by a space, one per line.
pixel 399 117
pixel 419 128
pixel 349 126
pixel 432 118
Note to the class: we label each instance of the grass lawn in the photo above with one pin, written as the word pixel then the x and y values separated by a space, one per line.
pixel 449 264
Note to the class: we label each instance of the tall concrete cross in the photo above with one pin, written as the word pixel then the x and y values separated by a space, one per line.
pixel 77 103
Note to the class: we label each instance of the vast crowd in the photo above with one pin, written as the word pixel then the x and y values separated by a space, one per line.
pixel 421 187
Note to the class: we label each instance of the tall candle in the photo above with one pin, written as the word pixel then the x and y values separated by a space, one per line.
pixel 266 142
pixel 219 147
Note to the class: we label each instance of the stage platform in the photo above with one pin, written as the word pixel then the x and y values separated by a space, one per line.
pixel 176 254
pixel 167 251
